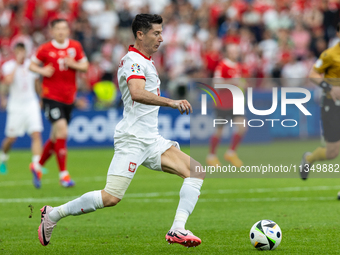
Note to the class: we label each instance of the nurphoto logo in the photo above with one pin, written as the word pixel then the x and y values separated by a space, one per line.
pixel 239 105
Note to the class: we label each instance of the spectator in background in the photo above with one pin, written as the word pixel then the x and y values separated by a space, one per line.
pixel 84 33
pixel 269 48
pixel 301 39
pixel 125 21
pixel 318 43
pixel 93 6
pixel 313 17
pixel 24 36
pixel 211 56
pixel 251 18
pixel 106 61
pixel 6 14
pixel 105 23
pixel 94 73
pixel 331 16
pixel 6 37
pixel 294 72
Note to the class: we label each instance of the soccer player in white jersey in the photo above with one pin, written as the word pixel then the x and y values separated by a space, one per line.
pixel 23 109
pixel 137 141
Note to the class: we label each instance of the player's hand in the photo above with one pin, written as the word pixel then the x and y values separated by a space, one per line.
pixel 182 105
pixel 48 70
pixel 70 62
pixel 335 93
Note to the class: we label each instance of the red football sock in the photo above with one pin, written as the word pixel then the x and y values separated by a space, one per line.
pixel 235 141
pixel 47 152
pixel 61 153
pixel 214 141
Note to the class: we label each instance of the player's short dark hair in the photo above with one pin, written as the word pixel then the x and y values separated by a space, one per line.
pixel 56 21
pixel 20 45
pixel 338 27
pixel 143 22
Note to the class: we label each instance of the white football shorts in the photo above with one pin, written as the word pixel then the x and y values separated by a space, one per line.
pixel 130 153
pixel 25 120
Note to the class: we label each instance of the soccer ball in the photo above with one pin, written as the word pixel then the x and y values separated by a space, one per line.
pixel 265 235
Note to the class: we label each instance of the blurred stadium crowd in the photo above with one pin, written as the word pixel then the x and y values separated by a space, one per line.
pixel 277 38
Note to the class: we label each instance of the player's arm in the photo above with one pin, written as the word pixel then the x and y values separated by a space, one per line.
pixel 140 95
pixel 316 75
pixel 38 60
pixel 78 62
pixel 319 68
pixel 9 78
pixel 81 65
pixel 46 71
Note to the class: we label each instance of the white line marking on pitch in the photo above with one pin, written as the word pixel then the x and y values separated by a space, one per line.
pixel 148 200
pixel 176 193
pixel 55 180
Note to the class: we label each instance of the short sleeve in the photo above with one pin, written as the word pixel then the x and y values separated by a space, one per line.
pixel 80 54
pixel 39 57
pixel 134 69
pixel 7 68
pixel 323 62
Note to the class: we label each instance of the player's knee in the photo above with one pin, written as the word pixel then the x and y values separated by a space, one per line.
pixel 110 201
pixel 61 133
pixel 332 154
pixel 219 132
pixel 199 174
pixel 11 140
pixel 60 129
pixel 196 170
pixel 242 130
pixel 36 136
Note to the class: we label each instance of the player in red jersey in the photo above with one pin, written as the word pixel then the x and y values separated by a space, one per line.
pixel 228 68
pixel 58 61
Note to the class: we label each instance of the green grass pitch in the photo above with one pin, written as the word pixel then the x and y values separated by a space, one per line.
pixel 307 211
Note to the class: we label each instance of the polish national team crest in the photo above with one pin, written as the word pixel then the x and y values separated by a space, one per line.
pixel 135 68
pixel 132 167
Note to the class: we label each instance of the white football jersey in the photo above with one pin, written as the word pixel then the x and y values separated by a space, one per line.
pixel 22 90
pixel 139 120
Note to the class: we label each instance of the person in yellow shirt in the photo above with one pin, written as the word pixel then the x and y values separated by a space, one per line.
pixel 326 73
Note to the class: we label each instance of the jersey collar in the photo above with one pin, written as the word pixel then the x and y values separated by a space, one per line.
pixel 60 45
pixel 229 62
pixel 131 48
